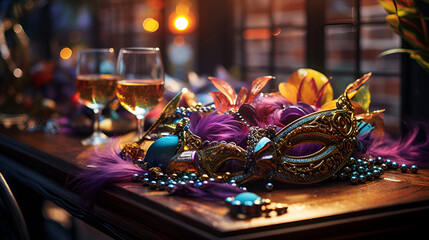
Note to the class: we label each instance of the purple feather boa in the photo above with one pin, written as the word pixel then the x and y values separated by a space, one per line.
pixel 411 148
pixel 218 127
pixel 105 166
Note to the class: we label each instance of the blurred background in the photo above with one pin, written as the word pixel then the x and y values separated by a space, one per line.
pixel 236 40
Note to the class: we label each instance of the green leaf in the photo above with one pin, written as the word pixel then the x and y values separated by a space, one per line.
pixel 422 60
pixel 395 50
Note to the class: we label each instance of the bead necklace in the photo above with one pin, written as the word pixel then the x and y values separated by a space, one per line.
pixel 368 169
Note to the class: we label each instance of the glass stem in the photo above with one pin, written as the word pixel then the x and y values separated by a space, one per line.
pixel 97 115
pixel 140 127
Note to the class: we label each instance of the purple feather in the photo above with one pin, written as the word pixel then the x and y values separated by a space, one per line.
pixel 105 167
pixel 412 148
pixel 294 112
pixel 209 191
pixel 269 109
pixel 218 127
pixel 274 111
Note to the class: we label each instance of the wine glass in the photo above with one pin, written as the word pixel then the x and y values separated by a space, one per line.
pixel 141 84
pixel 96 85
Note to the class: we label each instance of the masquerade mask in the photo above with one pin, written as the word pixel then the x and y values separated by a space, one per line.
pixel 268 155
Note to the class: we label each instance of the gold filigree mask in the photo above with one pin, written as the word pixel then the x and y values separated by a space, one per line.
pixel 268 153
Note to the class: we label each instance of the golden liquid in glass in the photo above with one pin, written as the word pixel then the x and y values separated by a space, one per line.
pixel 96 90
pixel 141 95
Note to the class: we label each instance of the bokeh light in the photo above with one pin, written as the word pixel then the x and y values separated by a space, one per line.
pixel 150 25
pixel 66 53
pixel 181 23
pixel 17 72
pixel 179 41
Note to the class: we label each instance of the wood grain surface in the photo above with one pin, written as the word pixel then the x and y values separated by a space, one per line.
pixel 391 204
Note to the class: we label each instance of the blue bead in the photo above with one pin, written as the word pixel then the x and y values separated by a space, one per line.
pixel 395 165
pixel 354 180
pixel 269 187
pixel 145 181
pixel 369 176
pixel 376 173
pixel 414 168
pixel 193 176
pixel 170 188
pixel 229 200
pixel 362 179
pixel 343 176
pixel 404 168
pixel 162 151
pixel 378 160
pixel 135 177
pixel 388 163
pixel 247 196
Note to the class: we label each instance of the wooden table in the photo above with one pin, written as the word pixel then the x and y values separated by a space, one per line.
pixel 395 204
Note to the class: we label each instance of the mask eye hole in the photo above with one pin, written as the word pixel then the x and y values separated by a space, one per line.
pixel 230 165
pixel 304 149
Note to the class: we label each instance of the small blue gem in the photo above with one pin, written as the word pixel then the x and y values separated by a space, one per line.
pixel 362 179
pixel 152 185
pixel 388 163
pixel 193 176
pixel 404 168
pixel 378 160
pixel 369 176
pixel 170 188
pixel 247 196
pixel 135 177
pixel 354 180
pixel 269 187
pixel 414 168
pixel 376 173
pixel 229 200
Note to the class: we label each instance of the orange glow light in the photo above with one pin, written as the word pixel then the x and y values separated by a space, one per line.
pixel 150 25
pixel 66 53
pixel 181 23
pixel 179 41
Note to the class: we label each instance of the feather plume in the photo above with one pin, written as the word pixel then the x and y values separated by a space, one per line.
pixel 105 167
pixel 218 127
pixel 411 148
